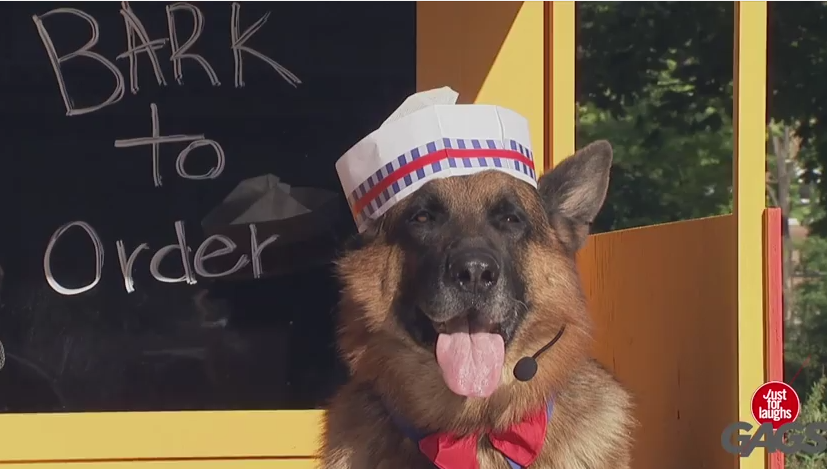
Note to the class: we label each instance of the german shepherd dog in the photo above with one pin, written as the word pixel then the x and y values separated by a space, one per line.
pixel 443 295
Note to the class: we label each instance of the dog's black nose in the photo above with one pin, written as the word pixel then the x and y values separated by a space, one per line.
pixel 474 271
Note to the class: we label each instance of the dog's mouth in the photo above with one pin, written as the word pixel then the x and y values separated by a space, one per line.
pixel 470 352
pixel 474 324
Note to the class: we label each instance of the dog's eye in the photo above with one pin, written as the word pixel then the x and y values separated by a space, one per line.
pixel 422 216
pixel 512 219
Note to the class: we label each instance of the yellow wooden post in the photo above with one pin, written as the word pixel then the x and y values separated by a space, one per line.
pixel 490 53
pixel 562 65
pixel 749 193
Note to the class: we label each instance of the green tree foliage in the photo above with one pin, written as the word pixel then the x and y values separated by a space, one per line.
pixel 639 87
pixel 813 409
pixel 656 79
pixel 806 337
pixel 626 47
pixel 672 176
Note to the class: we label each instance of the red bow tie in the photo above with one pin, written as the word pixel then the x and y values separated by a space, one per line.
pixel 521 444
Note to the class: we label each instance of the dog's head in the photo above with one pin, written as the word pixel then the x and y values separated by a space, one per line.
pixel 465 276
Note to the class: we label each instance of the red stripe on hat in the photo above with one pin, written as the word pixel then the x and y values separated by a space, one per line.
pixel 459 153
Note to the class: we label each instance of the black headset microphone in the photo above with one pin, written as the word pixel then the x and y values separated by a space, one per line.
pixel 526 367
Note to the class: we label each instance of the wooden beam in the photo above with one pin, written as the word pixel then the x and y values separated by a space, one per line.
pixel 774 305
pixel 749 193
pixel 562 112
pixel 490 53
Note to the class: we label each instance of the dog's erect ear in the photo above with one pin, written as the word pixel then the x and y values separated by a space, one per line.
pixel 574 191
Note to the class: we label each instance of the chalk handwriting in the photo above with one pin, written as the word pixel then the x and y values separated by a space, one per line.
pixel 156 140
pixel 201 255
pixel 128 263
pixel 213 172
pixel 135 30
pixel 139 42
pixel 190 268
pixel 47 258
pixel 179 53
pixel 84 51
pixel 238 46
pixel 257 248
pixel 2 356
pixel 155 263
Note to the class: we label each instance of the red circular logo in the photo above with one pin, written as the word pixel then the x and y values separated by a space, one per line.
pixel 776 403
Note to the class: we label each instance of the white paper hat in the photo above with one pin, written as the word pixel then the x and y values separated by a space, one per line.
pixel 430 137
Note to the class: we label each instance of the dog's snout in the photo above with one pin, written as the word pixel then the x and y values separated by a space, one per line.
pixel 473 271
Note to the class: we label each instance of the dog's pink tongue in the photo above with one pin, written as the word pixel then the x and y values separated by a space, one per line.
pixel 471 362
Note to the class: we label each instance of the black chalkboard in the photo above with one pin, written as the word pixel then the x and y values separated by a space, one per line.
pixel 232 342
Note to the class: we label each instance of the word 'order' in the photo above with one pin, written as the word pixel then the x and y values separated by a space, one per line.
pixel 139 42
pixel 196 266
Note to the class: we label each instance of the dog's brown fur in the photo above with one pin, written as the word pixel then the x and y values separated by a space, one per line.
pixel 591 424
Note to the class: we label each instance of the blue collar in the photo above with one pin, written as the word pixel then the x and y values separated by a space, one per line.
pixel 415 435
